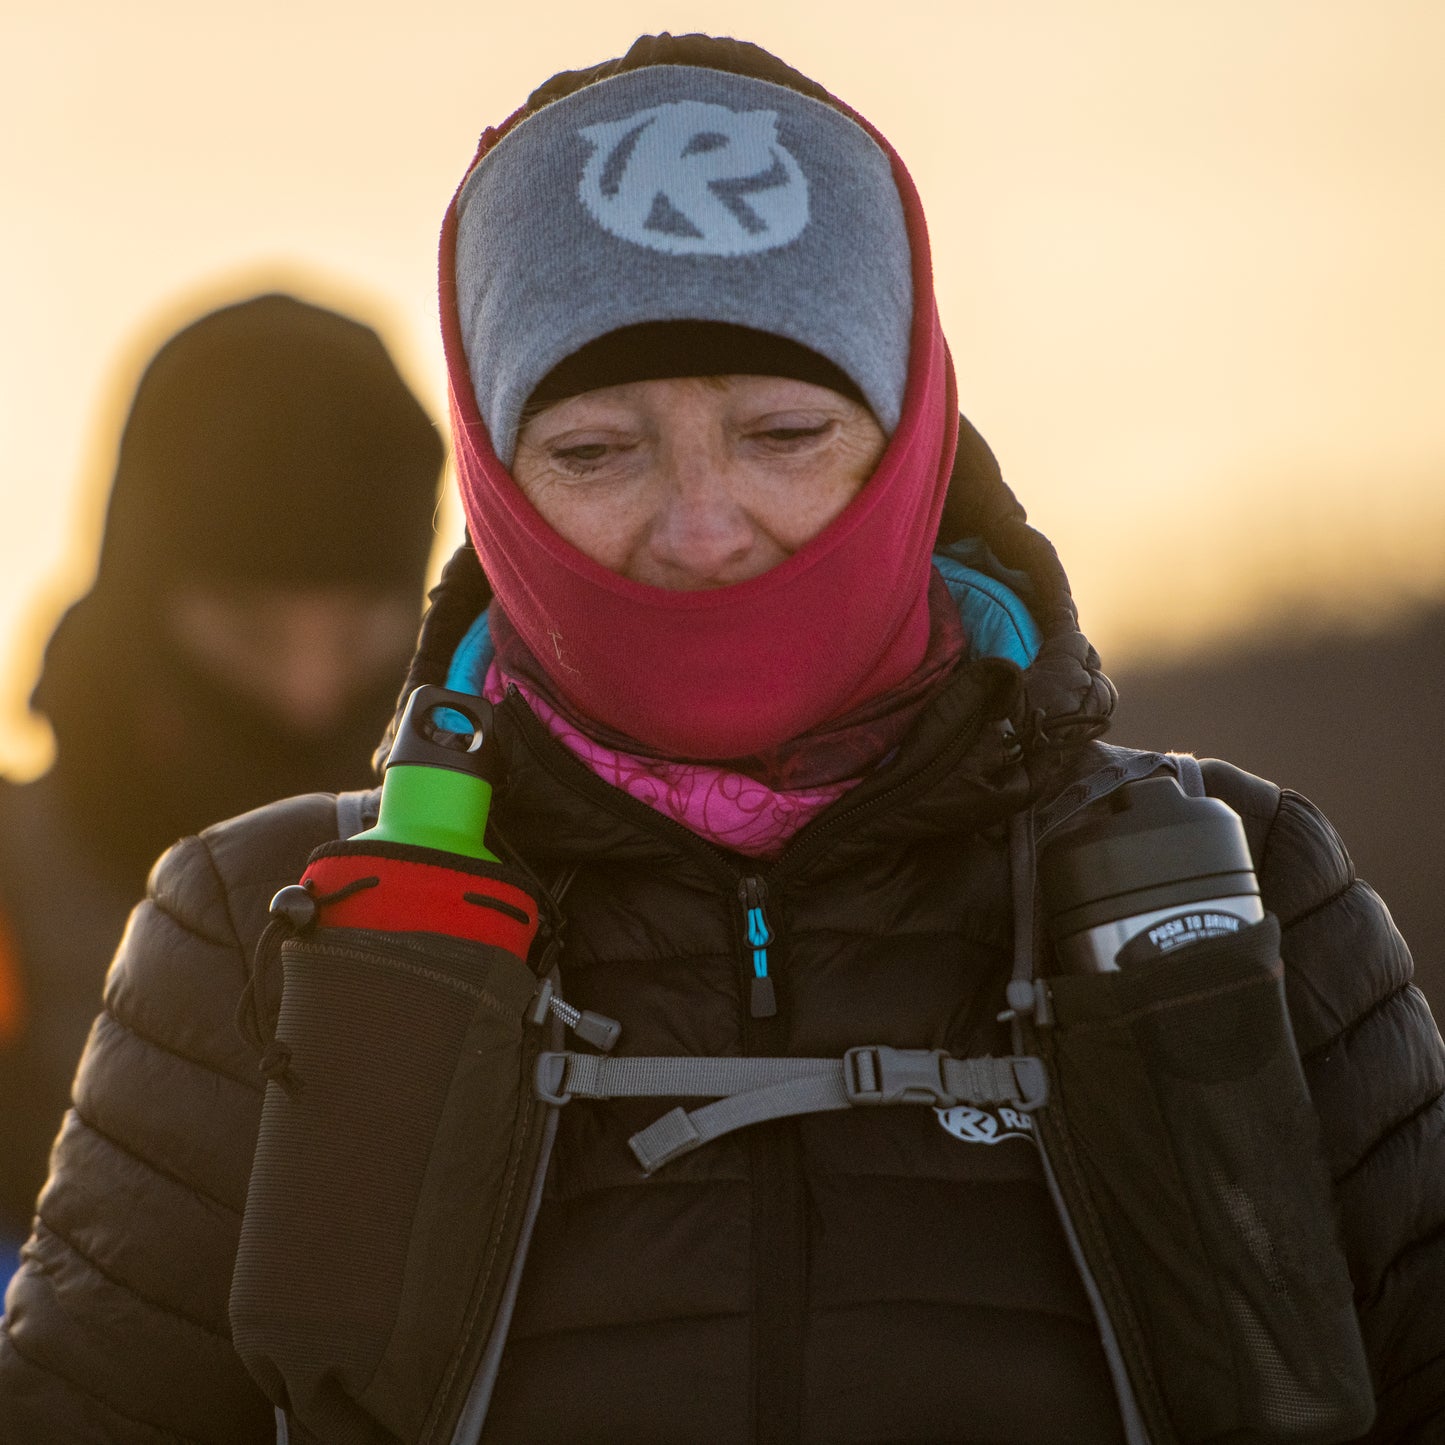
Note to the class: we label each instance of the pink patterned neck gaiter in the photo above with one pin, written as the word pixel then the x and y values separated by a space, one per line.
pixel 735 670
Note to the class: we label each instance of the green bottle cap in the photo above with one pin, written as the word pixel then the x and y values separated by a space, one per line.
pixel 436 792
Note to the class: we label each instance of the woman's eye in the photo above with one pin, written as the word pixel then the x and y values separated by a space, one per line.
pixel 785 435
pixel 583 458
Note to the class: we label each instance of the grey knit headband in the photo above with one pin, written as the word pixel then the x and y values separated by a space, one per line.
pixel 675 193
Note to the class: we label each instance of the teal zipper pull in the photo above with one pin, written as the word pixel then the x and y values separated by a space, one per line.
pixel 762 1001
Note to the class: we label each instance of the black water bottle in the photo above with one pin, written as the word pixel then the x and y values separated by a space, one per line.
pixel 1149 872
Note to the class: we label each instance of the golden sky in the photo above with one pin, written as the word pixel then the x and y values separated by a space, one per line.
pixel 1188 255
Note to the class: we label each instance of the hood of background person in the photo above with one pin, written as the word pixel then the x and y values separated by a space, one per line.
pixel 271 442
pixel 794 217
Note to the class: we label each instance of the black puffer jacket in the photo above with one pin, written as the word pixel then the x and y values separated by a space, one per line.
pixel 867 1276
pixel 63 911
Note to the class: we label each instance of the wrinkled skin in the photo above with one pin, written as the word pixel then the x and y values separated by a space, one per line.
pixel 696 482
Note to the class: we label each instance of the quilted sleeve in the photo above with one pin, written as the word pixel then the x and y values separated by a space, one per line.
pixel 115 1327
pixel 1376 1072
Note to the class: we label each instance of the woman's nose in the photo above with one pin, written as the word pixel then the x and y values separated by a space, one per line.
pixel 702 534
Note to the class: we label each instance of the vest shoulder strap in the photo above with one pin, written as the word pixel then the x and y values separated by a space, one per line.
pixel 1101 769
pixel 356 811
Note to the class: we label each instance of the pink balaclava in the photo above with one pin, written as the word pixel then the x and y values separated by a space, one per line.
pixel 732 671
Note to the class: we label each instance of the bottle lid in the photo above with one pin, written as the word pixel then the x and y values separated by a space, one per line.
pixel 444 729
pixel 1144 837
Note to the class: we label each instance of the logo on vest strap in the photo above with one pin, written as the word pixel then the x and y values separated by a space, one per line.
pixel 985 1126
pixel 693 179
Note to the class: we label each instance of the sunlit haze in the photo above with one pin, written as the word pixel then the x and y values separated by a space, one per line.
pixel 1188 257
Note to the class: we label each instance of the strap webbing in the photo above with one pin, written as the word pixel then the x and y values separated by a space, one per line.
pixel 355 811
pixel 680 1132
pixel 1115 767
pixel 1191 775
pixel 753 1090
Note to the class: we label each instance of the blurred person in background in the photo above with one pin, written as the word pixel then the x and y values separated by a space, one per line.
pixel 244 637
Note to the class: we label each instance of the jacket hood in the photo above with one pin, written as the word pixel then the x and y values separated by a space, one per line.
pixel 1065 697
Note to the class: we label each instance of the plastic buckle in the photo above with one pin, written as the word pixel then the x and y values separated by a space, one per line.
pixel 879 1074
pixel 549 1079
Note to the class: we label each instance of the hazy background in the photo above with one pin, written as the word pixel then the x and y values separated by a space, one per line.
pixel 1189 258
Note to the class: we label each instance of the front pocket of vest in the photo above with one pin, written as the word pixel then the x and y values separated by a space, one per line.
pixel 1182 1128
pixel 388 1178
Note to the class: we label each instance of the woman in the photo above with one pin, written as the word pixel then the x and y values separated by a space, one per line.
pixel 765 743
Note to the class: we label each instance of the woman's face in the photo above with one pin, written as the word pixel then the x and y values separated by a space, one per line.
pixel 696 482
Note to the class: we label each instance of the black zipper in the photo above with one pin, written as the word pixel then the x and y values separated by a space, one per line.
pixel 779 1205
pixel 753 894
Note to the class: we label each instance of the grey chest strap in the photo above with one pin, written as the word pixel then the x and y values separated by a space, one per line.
pixel 752 1090
pixel 747 1091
